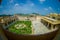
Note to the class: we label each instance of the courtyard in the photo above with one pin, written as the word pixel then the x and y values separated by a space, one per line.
pixel 29 27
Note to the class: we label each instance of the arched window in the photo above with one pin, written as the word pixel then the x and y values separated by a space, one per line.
pixel 54 26
pixel 49 26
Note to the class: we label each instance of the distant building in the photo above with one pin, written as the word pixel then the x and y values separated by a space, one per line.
pixel 51 21
pixel 54 16
pixel 4 21
pixel 27 17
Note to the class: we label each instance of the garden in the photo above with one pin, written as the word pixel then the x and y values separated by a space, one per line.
pixel 21 27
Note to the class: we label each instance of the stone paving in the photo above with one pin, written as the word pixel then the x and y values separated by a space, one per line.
pixel 39 28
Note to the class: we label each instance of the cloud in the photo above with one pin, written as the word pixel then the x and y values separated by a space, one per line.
pixel 46 9
pixel 29 2
pixel 16 4
pixel 32 4
pixel 11 1
pixel 50 8
pixel 22 8
pixel 58 8
pixel 41 1
pixel 1 6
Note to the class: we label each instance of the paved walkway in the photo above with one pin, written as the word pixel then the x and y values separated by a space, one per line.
pixel 39 28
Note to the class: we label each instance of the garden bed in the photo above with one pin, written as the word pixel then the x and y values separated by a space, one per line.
pixel 21 27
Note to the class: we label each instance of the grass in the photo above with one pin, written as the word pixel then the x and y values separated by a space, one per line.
pixel 25 30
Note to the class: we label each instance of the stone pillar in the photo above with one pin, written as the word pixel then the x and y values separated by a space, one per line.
pixel 48 25
pixel 51 26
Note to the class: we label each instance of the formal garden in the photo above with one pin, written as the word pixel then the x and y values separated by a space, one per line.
pixel 21 27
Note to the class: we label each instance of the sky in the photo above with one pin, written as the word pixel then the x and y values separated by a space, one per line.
pixel 42 7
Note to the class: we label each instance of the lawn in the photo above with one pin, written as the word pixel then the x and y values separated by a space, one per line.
pixel 21 27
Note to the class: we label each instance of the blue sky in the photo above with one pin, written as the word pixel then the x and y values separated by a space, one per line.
pixel 42 7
